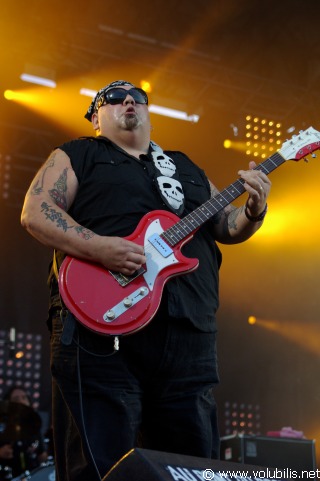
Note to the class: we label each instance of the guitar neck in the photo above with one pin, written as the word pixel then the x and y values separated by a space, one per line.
pixel 191 222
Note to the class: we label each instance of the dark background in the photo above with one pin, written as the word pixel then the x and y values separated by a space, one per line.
pixel 219 59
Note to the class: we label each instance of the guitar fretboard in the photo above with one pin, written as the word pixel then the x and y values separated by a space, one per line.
pixel 191 222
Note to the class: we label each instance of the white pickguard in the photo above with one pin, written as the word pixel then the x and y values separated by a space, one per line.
pixel 155 261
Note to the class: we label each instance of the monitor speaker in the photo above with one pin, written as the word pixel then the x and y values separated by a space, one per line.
pixel 146 465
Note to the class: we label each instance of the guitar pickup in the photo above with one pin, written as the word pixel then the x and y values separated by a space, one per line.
pixel 160 245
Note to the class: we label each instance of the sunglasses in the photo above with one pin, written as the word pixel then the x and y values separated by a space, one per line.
pixel 118 95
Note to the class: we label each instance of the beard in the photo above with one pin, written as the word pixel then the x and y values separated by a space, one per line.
pixel 131 122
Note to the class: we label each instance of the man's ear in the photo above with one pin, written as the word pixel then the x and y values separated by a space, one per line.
pixel 95 121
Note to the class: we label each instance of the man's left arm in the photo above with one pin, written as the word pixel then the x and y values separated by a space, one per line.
pixel 233 225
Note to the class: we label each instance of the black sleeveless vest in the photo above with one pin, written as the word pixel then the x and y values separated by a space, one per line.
pixel 116 190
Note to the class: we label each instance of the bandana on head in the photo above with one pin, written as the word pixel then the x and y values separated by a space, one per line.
pixel 99 98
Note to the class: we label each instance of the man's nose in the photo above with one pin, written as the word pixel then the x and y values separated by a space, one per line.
pixel 129 100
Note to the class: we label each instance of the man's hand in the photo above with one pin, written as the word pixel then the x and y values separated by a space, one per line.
pixel 121 255
pixel 258 185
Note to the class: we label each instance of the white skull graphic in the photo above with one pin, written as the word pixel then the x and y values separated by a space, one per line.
pixel 164 163
pixel 172 190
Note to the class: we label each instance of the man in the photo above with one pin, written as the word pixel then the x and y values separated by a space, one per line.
pixel 28 452
pixel 156 389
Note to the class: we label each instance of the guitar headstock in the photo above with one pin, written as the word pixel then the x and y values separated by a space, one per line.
pixel 301 145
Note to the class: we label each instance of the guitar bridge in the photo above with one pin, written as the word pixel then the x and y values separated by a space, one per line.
pixel 124 280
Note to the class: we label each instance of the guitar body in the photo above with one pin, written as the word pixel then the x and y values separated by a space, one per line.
pixel 112 304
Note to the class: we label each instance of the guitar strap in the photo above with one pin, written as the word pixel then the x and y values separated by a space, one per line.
pixel 166 176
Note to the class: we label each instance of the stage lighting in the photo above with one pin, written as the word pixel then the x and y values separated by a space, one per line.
pixel 34 79
pixel 241 418
pixel 252 320
pixel 146 86
pixel 262 136
pixel 175 114
pixel 88 92
pixel 20 363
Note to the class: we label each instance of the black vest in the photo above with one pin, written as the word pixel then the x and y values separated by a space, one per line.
pixel 116 190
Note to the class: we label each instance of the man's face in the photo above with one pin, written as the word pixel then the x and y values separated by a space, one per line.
pixel 19 396
pixel 127 115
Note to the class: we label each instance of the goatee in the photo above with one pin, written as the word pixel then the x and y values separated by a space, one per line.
pixel 131 122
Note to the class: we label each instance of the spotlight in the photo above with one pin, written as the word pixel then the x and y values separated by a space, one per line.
pixel 34 79
pixel 24 368
pixel 146 86
pixel 175 114
pixel 263 132
pixel 88 92
pixel 241 418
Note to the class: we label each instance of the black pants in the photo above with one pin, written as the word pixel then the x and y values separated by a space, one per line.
pixel 155 392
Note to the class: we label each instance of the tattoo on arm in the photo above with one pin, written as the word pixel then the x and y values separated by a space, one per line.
pixel 84 232
pixel 54 216
pixel 58 194
pixel 232 219
pixel 38 186
pixel 213 190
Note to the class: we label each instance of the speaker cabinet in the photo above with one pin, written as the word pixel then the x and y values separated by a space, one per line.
pixel 296 454
pixel 146 465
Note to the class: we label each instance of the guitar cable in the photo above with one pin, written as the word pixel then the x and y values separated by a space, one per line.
pixel 81 398
pixel 82 412
pixel 69 327
pixel 68 335
pixel 115 348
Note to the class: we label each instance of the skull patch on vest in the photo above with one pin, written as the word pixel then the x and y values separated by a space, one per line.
pixel 171 189
pixel 164 163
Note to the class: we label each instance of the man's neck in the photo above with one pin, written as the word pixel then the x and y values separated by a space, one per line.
pixel 131 141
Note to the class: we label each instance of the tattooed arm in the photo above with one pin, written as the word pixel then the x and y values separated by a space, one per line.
pixel 232 225
pixel 44 216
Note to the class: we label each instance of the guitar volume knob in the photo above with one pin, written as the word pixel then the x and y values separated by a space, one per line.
pixel 110 315
pixel 127 302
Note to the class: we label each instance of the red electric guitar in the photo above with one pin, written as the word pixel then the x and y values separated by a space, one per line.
pixel 111 303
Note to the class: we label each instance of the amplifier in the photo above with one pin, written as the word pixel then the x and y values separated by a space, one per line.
pixel 297 454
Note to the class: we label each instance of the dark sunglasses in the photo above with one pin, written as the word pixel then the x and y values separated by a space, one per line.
pixel 118 95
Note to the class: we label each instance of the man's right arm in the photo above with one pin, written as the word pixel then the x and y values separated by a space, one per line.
pixel 44 216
